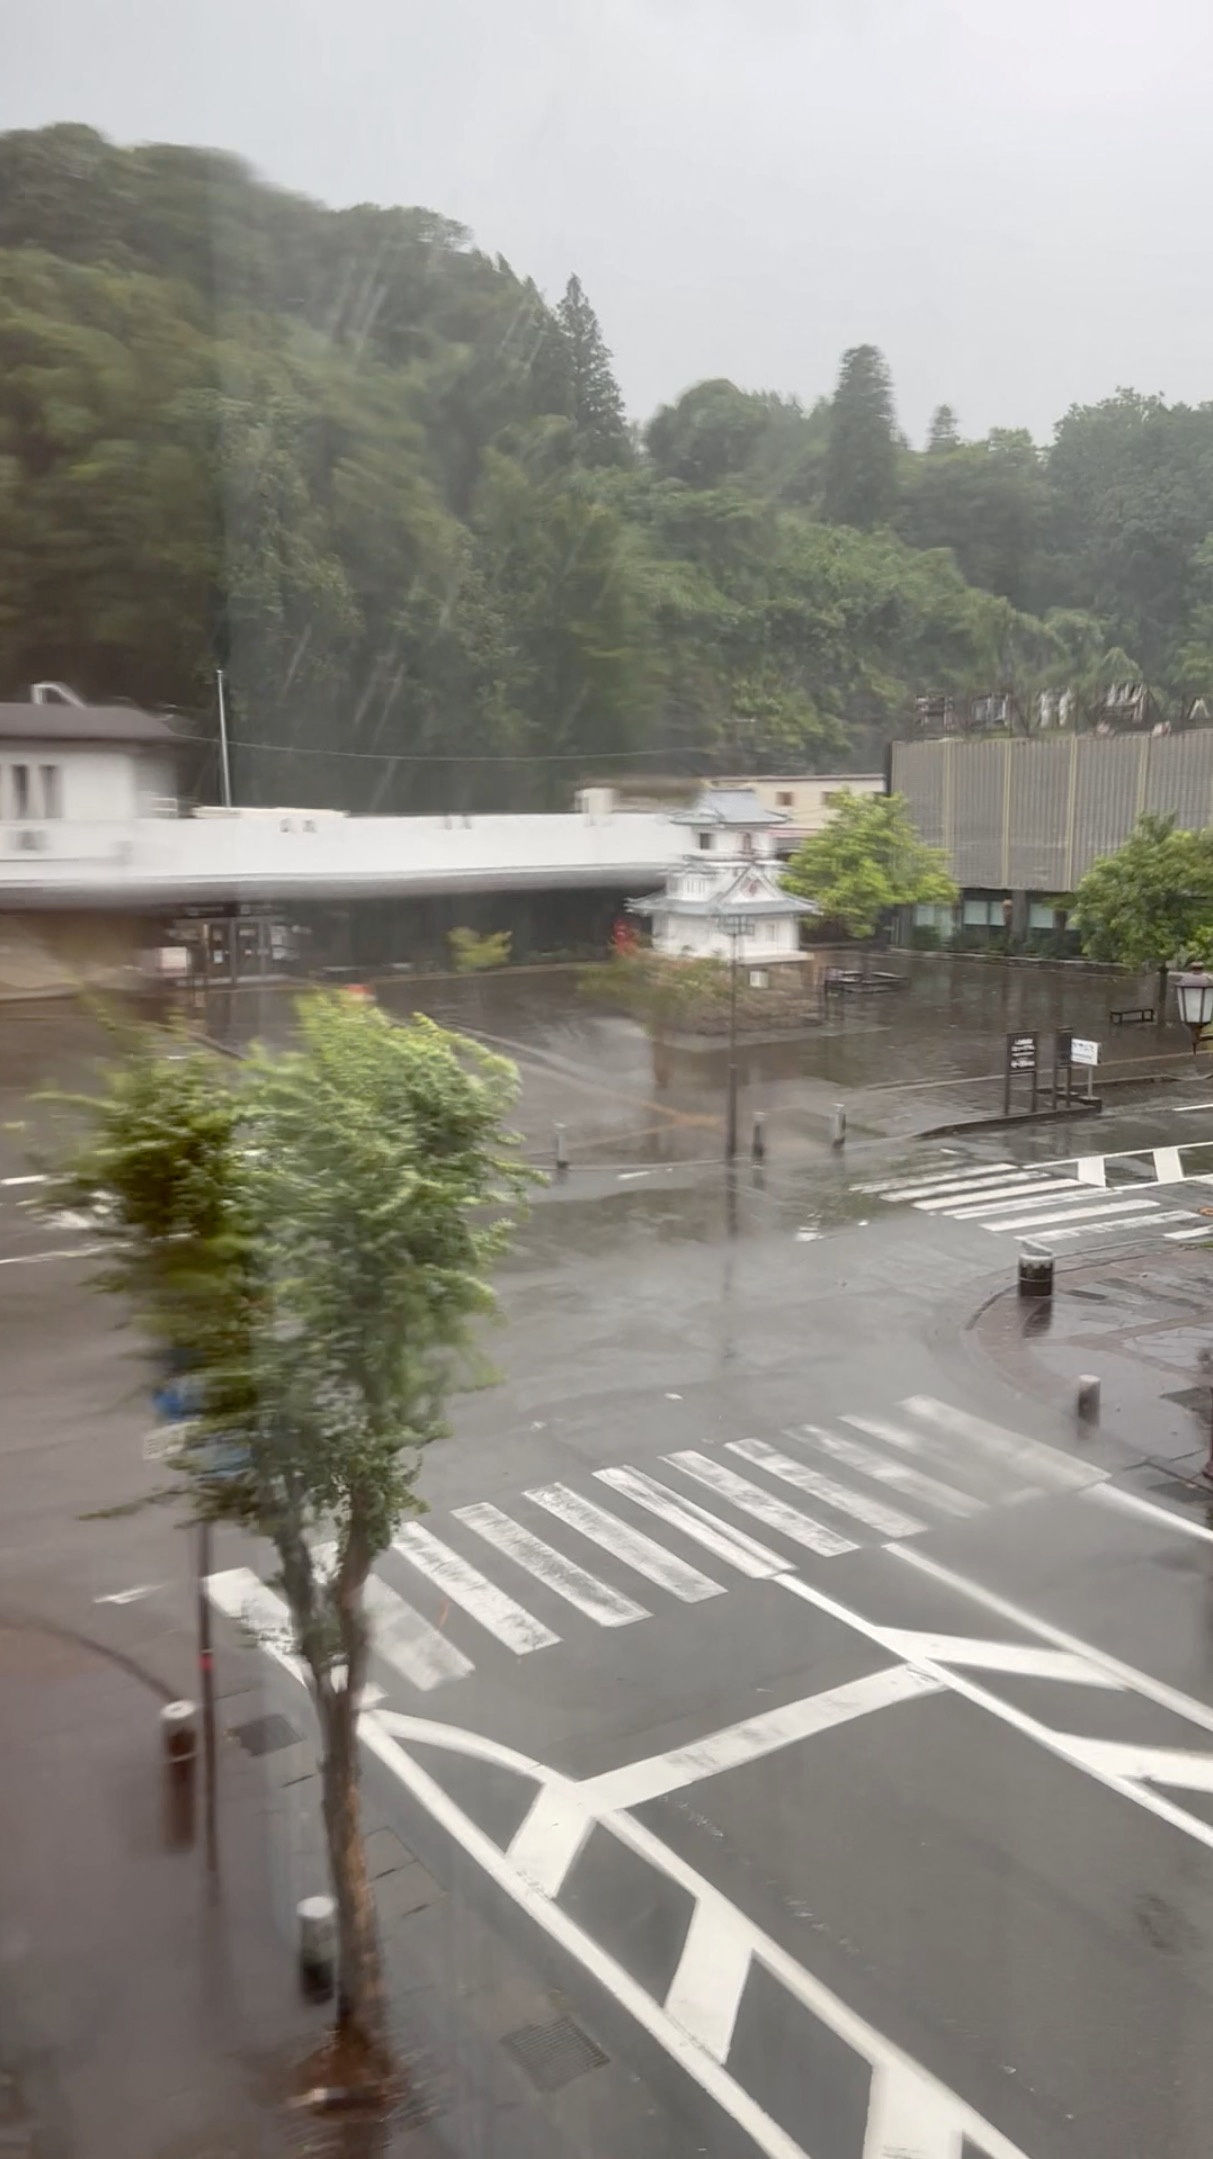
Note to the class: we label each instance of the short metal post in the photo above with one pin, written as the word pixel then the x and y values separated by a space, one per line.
pixel 1088 1398
pixel 1035 1274
pixel 562 1152
pixel 730 1127
pixel 758 1143
pixel 206 1673
pixel 317 1919
pixel 838 1126
pixel 179 1738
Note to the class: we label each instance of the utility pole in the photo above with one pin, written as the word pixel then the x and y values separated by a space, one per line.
pixel 733 924
pixel 225 764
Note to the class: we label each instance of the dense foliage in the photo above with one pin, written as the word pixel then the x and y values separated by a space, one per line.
pixel 370 471
pixel 1151 903
pixel 867 861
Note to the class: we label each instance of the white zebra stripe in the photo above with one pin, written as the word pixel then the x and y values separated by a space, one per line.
pixel 1032 1190
pixel 404 1639
pixel 1122 1207
pixel 989 1479
pixel 928 1490
pixel 872 1511
pixel 955 1175
pixel 1131 1222
pixel 627 1544
pixel 731 1545
pixel 466 1586
pixel 1075 1195
pixel 604 1605
pixel 1181 1236
pixel 998 1444
pixel 1006 1180
pixel 751 1499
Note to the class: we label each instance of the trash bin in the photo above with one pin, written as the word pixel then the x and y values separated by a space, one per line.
pixel 1035 1274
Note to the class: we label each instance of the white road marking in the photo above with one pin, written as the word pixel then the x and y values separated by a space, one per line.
pixel 37 1259
pixel 604 1605
pixel 10 1181
pixel 467 1587
pixel 1137 1207
pixel 404 1639
pixel 1074 1195
pixel 768 1733
pixel 928 1445
pixel 1168 1169
pixel 382 1730
pixel 243 1596
pixel 872 1511
pixel 1047 1464
pixel 1008 1194
pixel 870 1464
pixel 1091 1169
pixel 1185 1109
pixel 705 1992
pixel 956 1189
pixel 1093 1229
pixel 1053 1742
pixel 130 1596
pixel 1032 1659
pixel 909 2118
pixel 626 1544
pixel 751 1499
pixel 1111 1495
pixel 1182 1236
pixel 734 1546
pixel 952 1176
pixel 1181 1767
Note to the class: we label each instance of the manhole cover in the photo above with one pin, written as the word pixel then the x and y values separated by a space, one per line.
pixel 266 1735
pixel 553 2054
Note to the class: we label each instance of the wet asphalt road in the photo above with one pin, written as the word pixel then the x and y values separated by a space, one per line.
pixel 924 1788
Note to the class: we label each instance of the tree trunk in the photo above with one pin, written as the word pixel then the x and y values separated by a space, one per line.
pixel 360 1994
pixel 1160 1014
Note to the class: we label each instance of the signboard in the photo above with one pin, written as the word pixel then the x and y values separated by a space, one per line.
pixel 1021 1053
pixel 1083 1052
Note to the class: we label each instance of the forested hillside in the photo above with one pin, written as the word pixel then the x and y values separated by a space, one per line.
pixel 370 471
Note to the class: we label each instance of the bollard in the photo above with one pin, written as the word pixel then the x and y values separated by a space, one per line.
pixel 758 1144
pixel 838 1126
pixel 1088 1398
pixel 1035 1274
pixel 317 1917
pixel 562 1152
pixel 179 1736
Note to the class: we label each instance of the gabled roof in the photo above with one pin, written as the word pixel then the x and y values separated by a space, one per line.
pixel 753 892
pixel 53 722
pixel 737 806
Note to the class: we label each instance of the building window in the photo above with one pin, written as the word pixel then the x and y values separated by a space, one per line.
pixel 747 843
pixel 52 791
pixel 979 914
pixel 1042 915
pixel 705 840
pixel 20 790
pixel 783 798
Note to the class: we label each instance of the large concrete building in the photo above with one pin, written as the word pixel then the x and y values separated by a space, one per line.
pixel 1021 818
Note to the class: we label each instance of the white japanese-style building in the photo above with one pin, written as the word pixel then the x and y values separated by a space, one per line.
pixel 727 886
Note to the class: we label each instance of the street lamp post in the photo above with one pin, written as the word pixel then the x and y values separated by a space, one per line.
pixel 1194 996
pixel 733 924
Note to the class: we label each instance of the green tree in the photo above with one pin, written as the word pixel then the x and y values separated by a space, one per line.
pixel 943 432
pixel 861 455
pixel 473 954
pixel 308 1235
pixel 1150 903
pixel 595 403
pixel 988 502
pixel 867 861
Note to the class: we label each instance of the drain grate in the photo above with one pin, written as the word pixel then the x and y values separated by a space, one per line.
pixel 553 2054
pixel 266 1735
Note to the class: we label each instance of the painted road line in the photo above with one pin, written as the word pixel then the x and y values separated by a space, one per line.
pixel 38 1259
pixel 763 1506
pixel 1091 1169
pixel 927 1490
pixel 464 1584
pixel 952 1176
pixel 1184 1236
pixel 8 1182
pixel 909 2120
pixel 1168 1168
pixel 999 1444
pixel 1042 1188
pixel 242 1595
pixel 1094 1229
pixel 1126 1675
pixel 626 1544
pixel 1181 1767
pixel 734 1546
pixel 768 1733
pixel 1112 1495
pixel 943 1188
pixel 892 2071
pixel 1046 1736
pixel 705 1992
pixel 1033 1660
pixel 998 1490
pixel 1138 1207
pixel 599 1602
pixel 408 1642
pixel 840 1496
pixel 1185 1109
pixel 1074 1195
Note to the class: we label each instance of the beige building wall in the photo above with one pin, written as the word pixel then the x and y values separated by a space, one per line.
pixel 804 798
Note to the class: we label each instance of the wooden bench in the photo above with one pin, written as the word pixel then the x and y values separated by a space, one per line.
pixel 1133 1016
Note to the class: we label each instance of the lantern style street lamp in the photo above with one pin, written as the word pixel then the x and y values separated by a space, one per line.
pixel 733 926
pixel 1194 996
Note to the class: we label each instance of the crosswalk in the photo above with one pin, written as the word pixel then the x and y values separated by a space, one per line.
pixel 484 1584
pixel 1069 1203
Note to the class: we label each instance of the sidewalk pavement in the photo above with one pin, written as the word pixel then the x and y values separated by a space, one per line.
pixel 1142 1325
pixel 148 2013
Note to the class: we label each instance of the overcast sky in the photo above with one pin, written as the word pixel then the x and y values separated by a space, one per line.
pixel 1013 201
